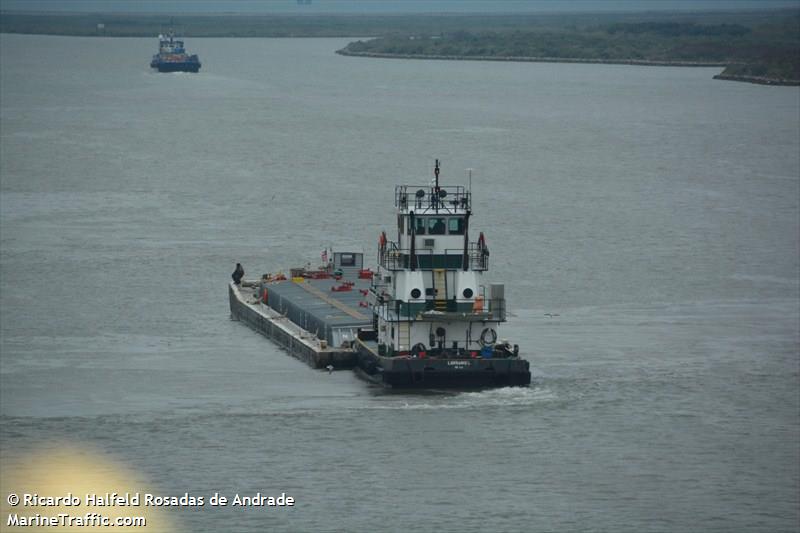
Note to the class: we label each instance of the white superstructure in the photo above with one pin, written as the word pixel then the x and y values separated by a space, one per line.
pixel 429 297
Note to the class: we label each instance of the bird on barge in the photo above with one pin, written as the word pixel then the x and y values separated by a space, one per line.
pixel 172 56
pixel 425 319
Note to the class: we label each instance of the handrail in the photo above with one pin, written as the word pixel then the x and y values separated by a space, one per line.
pixel 424 198
pixel 490 310
pixel 393 257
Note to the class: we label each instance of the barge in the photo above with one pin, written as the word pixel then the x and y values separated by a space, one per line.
pixel 315 315
pixel 423 319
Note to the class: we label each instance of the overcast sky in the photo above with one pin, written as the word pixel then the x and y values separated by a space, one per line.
pixel 386 6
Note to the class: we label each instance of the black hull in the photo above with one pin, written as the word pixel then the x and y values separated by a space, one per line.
pixel 429 373
pixel 177 67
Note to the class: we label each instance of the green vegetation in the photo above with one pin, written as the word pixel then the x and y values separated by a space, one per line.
pixel 755 46
pixel 593 45
pixel 776 70
pixel 764 48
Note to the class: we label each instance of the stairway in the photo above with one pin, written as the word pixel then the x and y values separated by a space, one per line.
pixel 440 289
pixel 403 336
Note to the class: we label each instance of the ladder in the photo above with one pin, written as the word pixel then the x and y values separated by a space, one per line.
pixel 440 289
pixel 404 335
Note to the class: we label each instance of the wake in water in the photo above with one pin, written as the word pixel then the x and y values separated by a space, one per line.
pixel 347 403
pixel 505 397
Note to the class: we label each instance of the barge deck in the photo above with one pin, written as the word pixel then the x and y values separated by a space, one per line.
pixel 315 320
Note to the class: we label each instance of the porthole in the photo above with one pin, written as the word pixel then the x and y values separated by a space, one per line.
pixel 467 293
pixel 416 293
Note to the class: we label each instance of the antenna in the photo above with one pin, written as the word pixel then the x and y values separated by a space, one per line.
pixel 469 173
pixel 436 198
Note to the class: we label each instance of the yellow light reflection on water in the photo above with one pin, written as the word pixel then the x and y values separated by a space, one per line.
pixel 65 475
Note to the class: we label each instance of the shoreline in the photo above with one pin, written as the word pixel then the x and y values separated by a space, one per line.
pixel 640 62
pixel 759 80
pixel 637 62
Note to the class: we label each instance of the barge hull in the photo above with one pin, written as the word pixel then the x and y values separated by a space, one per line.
pixel 296 341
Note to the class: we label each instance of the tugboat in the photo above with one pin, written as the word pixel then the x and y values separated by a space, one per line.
pixel 435 325
pixel 172 56
pixel 423 320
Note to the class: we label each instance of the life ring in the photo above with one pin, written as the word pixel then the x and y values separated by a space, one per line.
pixel 488 336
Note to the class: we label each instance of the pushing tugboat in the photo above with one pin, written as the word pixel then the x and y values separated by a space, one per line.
pixel 435 324
pixel 424 319
pixel 172 56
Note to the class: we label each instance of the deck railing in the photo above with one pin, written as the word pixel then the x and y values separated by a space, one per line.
pixel 391 257
pixel 425 198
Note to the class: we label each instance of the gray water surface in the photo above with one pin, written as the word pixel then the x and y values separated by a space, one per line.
pixel 654 210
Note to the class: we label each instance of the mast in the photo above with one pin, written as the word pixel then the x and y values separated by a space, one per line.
pixel 468 206
pixel 466 241
pixel 412 260
pixel 436 186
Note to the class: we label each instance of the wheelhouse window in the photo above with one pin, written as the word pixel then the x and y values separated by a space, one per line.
pixel 419 226
pixel 455 226
pixel 436 226
pixel 348 260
